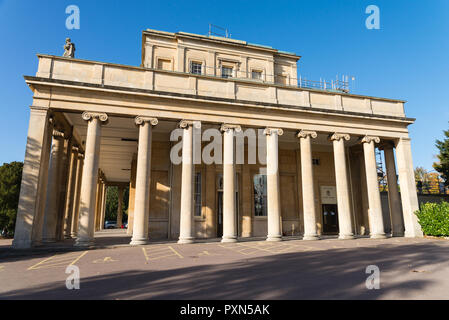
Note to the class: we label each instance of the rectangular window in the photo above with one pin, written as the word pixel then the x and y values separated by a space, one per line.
pixel 164 64
pixel 257 75
pixel 260 195
pixel 226 72
pixel 281 79
pixel 195 67
pixel 197 194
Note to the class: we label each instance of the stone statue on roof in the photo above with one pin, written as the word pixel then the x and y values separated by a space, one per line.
pixel 69 49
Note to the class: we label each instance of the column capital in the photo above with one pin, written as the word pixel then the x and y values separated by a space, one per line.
pixel 339 136
pixel 103 117
pixel 141 120
pixel 226 127
pixel 387 145
pixel 270 131
pixel 369 139
pixel 75 149
pixel 185 124
pixel 306 133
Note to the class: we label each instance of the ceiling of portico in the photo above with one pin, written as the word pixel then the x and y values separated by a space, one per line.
pixel 119 142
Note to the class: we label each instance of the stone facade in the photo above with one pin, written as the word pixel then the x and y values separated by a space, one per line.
pixel 95 124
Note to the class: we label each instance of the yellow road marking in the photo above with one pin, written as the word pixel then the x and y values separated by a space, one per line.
pixel 176 252
pixel 2 268
pixel 76 260
pixel 145 254
pixel 151 255
pixel 106 259
pixel 61 261
pixel 37 264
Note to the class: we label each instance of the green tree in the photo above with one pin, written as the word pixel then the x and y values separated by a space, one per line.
pixel 112 204
pixel 10 179
pixel 422 179
pixel 442 166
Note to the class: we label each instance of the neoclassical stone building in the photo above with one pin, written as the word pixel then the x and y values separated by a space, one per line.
pixel 95 124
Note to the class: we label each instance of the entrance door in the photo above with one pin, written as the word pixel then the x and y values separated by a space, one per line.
pixel 330 218
pixel 220 214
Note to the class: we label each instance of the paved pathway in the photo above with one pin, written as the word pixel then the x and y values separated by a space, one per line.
pixel 293 269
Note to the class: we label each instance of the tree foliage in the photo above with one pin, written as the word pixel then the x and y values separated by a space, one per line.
pixel 112 204
pixel 434 218
pixel 10 179
pixel 442 166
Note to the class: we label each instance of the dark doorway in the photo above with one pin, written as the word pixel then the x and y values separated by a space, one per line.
pixel 330 219
pixel 220 214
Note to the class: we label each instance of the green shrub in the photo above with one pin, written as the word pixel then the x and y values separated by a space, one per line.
pixel 434 218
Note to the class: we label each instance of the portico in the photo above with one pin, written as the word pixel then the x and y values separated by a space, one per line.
pixel 106 123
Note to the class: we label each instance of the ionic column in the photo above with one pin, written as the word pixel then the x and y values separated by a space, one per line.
pixel 142 198
pixel 394 201
pixel 76 204
pixel 374 203
pixel 408 188
pixel 308 190
pixel 120 207
pixel 186 215
pixel 89 180
pixel 229 214
pixel 273 189
pixel 70 193
pixel 51 209
pixel 341 178
pixel 33 189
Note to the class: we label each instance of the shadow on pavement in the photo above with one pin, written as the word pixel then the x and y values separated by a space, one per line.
pixel 327 274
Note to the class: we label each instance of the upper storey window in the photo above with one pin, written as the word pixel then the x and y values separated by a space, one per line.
pixel 226 72
pixel 164 64
pixel 195 67
pixel 256 74
pixel 281 79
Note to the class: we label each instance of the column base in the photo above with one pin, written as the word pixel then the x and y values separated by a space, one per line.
pixel 413 235
pixel 311 237
pixel 74 235
pixel 274 238
pixel 346 237
pixel 84 243
pixel 44 241
pixel 229 239
pixel 397 234
pixel 21 244
pixel 186 240
pixel 139 242
pixel 378 236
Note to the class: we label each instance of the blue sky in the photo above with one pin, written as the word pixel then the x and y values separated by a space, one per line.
pixel 406 59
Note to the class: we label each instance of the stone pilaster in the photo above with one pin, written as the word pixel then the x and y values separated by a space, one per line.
pixel 407 182
pixel 33 190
